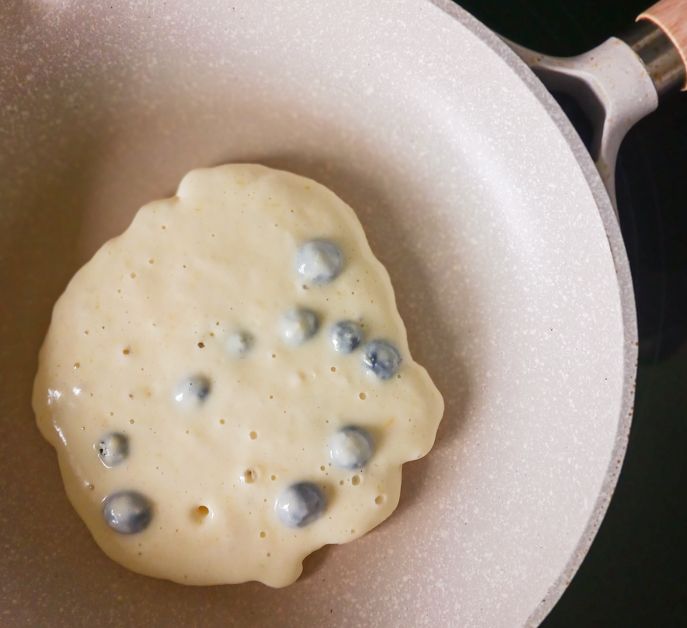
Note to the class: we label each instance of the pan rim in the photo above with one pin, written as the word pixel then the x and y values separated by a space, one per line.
pixel 625 294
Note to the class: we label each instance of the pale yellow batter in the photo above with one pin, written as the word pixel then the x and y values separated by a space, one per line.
pixel 179 368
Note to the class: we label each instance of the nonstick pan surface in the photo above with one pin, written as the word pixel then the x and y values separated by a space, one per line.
pixel 474 191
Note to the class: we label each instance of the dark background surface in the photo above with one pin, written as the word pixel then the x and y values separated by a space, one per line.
pixel 636 571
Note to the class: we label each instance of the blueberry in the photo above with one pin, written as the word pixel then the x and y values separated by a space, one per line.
pixel 127 512
pixel 238 343
pixel 381 358
pixel 192 391
pixel 350 447
pixel 298 325
pixel 113 448
pixel 346 336
pixel 300 504
pixel 319 261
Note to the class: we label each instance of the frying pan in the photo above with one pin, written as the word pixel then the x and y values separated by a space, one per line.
pixel 475 192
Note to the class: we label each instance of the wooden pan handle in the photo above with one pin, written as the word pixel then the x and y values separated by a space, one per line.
pixel 671 17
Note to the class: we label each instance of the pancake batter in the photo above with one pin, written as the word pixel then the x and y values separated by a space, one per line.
pixel 228 383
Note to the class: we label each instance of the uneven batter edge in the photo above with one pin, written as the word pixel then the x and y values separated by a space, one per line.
pixel 211 360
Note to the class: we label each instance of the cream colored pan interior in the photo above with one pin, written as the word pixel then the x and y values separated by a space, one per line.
pixel 473 191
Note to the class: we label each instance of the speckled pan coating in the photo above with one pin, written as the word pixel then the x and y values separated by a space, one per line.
pixel 475 194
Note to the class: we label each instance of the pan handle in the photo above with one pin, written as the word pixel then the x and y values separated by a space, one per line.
pixel 670 16
pixel 619 82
